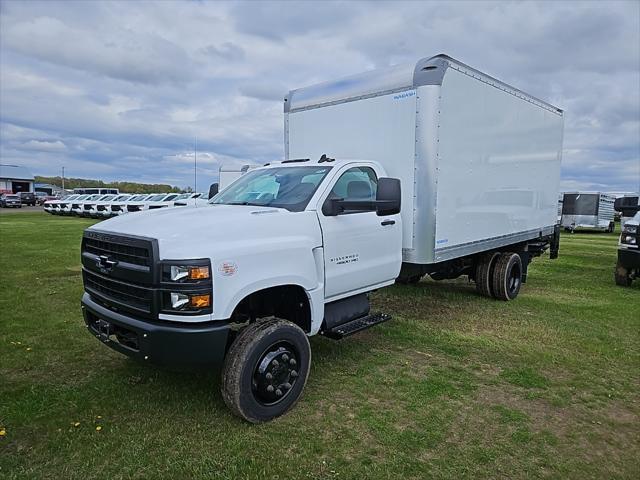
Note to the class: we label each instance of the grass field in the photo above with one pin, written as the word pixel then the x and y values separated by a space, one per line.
pixel 455 386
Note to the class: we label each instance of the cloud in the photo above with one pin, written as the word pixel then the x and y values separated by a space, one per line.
pixel 45 146
pixel 121 90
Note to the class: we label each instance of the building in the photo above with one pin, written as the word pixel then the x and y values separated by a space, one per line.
pixel 49 189
pixel 15 179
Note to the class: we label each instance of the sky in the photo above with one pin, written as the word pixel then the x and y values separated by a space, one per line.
pixel 119 91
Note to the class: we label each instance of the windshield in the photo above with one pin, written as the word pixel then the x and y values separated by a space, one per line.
pixel 156 198
pixel 183 196
pixel 107 197
pixel 281 187
pixel 580 204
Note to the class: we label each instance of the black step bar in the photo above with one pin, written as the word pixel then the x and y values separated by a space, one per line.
pixel 361 323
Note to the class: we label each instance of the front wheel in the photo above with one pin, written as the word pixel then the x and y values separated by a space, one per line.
pixel 265 370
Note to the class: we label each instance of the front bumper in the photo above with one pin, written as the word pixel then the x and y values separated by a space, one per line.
pixel 169 344
pixel 629 258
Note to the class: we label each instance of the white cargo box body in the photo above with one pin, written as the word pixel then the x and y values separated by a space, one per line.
pixel 230 173
pixel 479 161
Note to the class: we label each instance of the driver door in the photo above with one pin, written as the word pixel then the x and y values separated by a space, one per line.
pixel 361 249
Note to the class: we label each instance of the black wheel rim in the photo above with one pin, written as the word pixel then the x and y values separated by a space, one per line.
pixel 276 373
pixel 514 278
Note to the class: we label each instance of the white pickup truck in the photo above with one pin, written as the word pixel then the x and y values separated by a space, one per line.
pixel 433 175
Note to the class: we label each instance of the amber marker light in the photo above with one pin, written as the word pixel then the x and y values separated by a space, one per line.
pixel 201 301
pixel 198 273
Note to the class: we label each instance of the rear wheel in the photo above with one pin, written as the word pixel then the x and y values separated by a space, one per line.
pixel 507 276
pixel 484 273
pixel 622 276
pixel 266 369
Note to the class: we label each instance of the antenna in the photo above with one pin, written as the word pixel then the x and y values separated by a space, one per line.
pixel 62 178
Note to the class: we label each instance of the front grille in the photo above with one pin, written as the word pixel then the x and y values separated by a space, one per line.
pixel 120 272
pixel 63 205
pixel 74 206
pixel 133 208
pixel 101 208
pixel 118 293
pixel 118 251
pixel 87 207
pixel 153 207
pixel 115 208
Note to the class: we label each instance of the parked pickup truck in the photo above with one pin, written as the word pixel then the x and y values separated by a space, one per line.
pixel 27 198
pixel 152 202
pixel 90 208
pixel 190 200
pixel 10 200
pixel 423 181
pixel 628 266
pixel 78 205
pixel 103 209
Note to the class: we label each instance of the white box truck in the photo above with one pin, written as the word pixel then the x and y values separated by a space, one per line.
pixel 588 211
pixel 434 169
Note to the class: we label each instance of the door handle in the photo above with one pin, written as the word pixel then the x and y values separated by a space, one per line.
pixel 388 222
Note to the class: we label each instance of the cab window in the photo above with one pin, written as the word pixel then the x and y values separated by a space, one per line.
pixel 356 184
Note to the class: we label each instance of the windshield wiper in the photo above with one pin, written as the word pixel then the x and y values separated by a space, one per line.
pixel 245 203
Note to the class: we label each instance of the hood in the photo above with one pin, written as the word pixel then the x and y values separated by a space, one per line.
pixel 198 232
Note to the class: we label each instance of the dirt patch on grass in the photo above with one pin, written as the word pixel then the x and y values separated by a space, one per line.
pixel 609 434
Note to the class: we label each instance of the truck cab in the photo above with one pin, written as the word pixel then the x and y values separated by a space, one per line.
pixel 286 251
pixel 628 265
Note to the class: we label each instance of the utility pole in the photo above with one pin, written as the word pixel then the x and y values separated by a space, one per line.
pixel 62 178
pixel 195 164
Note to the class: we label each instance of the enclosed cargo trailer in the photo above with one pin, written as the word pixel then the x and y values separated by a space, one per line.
pixel 479 160
pixel 588 211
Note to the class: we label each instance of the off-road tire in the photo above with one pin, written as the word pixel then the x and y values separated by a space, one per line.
pixel 622 276
pixel 484 273
pixel 507 276
pixel 243 358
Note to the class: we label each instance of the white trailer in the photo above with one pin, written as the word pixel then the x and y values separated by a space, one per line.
pixel 479 160
pixel 588 211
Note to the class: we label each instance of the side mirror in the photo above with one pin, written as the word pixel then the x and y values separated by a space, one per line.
pixel 388 197
pixel 332 207
pixel 213 190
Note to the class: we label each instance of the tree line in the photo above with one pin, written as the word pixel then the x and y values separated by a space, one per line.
pixel 125 187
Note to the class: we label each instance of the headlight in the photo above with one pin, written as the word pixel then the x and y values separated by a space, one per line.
pixel 189 302
pixel 187 286
pixel 629 228
pixel 194 271
pixel 629 240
